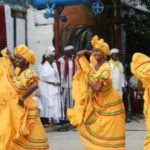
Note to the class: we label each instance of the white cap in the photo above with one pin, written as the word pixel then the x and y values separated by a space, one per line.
pixel 69 47
pixel 50 48
pixel 114 50
pixel 50 51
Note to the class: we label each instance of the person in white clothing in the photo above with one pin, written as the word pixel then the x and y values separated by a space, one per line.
pixel 49 87
pixel 67 70
pixel 117 70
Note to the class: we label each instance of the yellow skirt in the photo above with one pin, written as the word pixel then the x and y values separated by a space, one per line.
pixel 21 128
pixel 105 133
pixel 10 116
pixel 147 138
pixel 104 127
pixel 6 127
pixel 31 134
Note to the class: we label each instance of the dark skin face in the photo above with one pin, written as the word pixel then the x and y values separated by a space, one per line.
pixel 20 62
pixel 114 56
pixel 51 58
pixel 69 53
pixel 98 54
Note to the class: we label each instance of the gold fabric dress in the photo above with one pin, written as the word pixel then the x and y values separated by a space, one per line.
pixel 20 128
pixel 98 116
pixel 31 134
pixel 9 109
pixel 140 67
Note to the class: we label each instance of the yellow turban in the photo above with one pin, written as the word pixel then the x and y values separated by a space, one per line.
pixel 140 67
pixel 100 44
pixel 25 52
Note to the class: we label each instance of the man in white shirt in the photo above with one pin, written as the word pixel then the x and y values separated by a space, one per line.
pixel 67 70
pixel 118 79
pixel 117 71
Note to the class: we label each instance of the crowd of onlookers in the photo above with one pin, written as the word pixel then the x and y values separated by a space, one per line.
pixel 54 93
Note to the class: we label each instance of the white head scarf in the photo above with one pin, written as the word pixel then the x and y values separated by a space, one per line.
pixel 50 51
pixel 69 47
pixel 114 50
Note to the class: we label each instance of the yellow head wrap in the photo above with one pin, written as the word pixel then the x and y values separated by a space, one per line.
pixel 100 44
pixel 140 66
pixel 25 52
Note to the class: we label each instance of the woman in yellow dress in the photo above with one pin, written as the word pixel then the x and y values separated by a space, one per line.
pixel 26 130
pixel 7 103
pixel 140 67
pixel 98 111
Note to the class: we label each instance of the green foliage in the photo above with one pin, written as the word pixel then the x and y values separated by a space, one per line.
pixel 146 2
pixel 137 25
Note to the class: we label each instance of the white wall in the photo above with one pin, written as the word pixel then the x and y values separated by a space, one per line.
pixel 20 31
pixel 40 33
pixel 9 28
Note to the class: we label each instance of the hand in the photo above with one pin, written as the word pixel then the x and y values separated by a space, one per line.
pixel 89 82
pixel 37 94
pixel 80 53
pixel 21 102
pixel 56 84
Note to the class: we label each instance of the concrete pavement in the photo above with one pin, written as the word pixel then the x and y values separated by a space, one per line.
pixel 135 132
